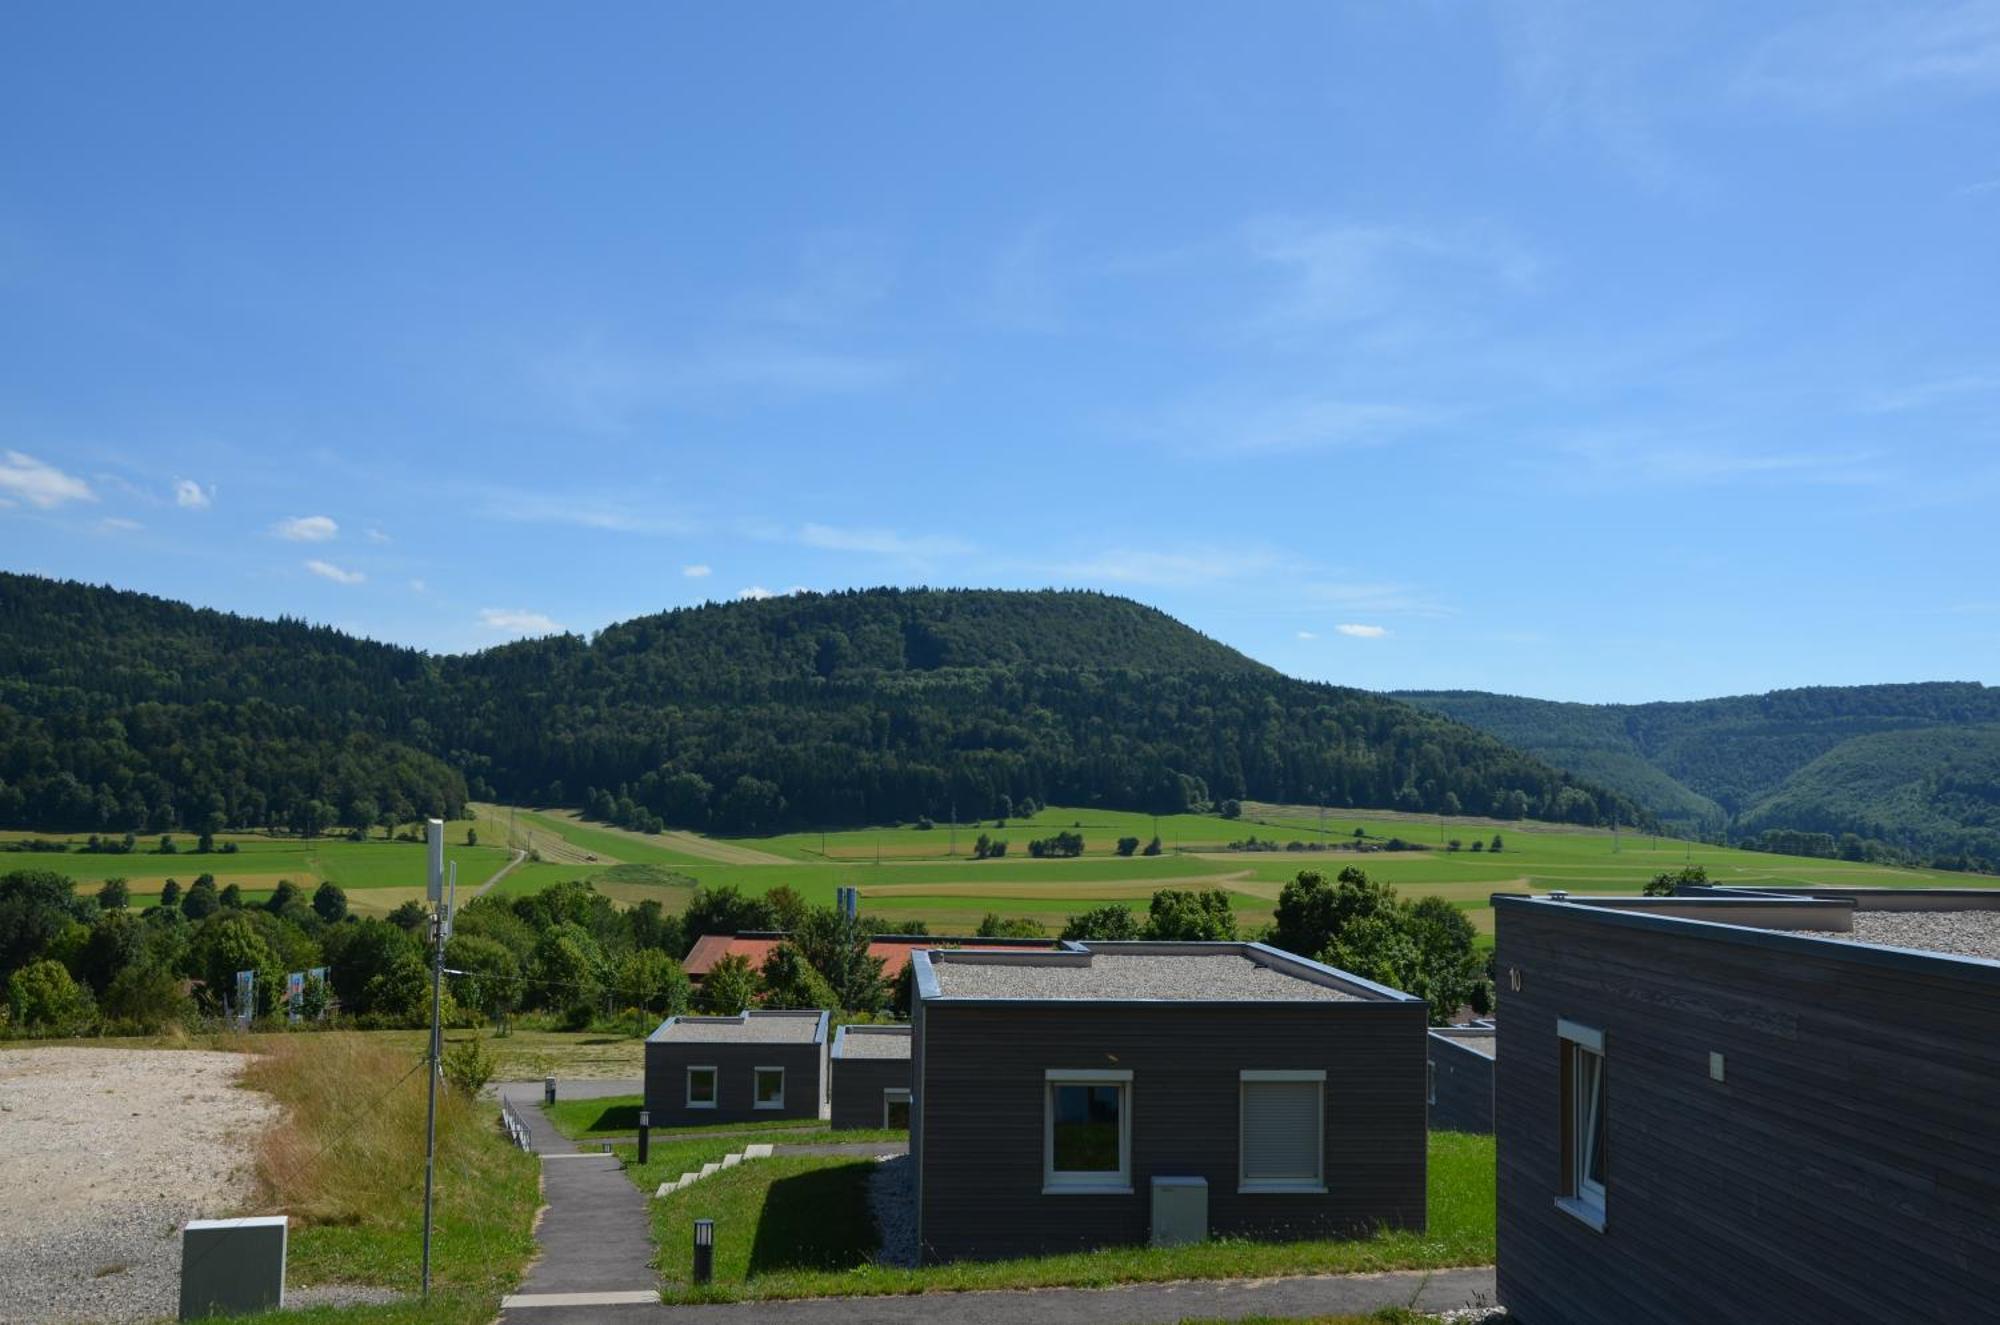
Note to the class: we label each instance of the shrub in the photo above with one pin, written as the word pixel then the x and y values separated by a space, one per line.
pixel 330 903
pixel 1127 845
pixel 730 987
pixel 114 895
pixel 1103 922
pixel 468 1067
pixel 1152 847
pixel 44 1000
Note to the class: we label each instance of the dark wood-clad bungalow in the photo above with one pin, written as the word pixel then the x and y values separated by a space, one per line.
pixel 1116 1093
pixel 754 1066
pixel 1749 1106
pixel 870 1068
pixel 1461 1078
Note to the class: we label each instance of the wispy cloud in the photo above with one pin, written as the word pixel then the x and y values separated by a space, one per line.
pixel 698 571
pixel 584 511
pixel 24 478
pixel 118 524
pixel 376 535
pixel 418 586
pixel 1923 395
pixel 326 570
pixel 1354 630
pixel 518 621
pixel 1620 460
pixel 1304 424
pixel 1190 568
pixel 190 495
pixel 607 387
pixel 307 529
pixel 1347 272
pixel 1848 54
pixel 882 542
pixel 840 278
pixel 1307 634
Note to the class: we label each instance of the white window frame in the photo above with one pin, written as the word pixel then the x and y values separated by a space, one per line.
pixel 1580 1197
pixel 1304 1186
pixel 1089 1183
pixel 714 1086
pixel 756 1103
pixel 893 1095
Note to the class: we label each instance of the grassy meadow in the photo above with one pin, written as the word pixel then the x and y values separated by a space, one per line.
pixel 910 873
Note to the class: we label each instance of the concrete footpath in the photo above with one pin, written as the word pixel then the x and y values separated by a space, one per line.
pixel 594 1233
pixel 1143 1304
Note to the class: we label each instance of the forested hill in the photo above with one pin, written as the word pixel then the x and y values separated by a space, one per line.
pixel 122 711
pixel 1915 767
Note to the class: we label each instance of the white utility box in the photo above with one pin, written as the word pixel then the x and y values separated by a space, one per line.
pixel 1180 1211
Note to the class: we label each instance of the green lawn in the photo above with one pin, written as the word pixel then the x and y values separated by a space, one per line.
pixel 800 1227
pixel 616 1115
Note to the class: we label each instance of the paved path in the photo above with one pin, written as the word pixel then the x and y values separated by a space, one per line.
pixel 502 872
pixel 594 1233
pixel 1144 1304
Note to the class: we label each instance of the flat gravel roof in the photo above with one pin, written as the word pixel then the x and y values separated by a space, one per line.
pixel 757 1028
pixel 1959 933
pixel 868 1042
pixel 1194 977
pixel 1480 1042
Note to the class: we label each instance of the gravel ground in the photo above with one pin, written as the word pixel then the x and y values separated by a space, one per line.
pixel 1112 975
pixel 1961 933
pixel 892 1194
pixel 874 1042
pixel 104 1153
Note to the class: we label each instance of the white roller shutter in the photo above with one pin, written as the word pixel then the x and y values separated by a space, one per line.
pixel 1281 1122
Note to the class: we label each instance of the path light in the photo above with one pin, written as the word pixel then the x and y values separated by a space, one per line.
pixel 645 1134
pixel 548 1090
pixel 704 1251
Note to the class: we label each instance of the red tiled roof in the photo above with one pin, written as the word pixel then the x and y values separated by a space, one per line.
pixel 893 949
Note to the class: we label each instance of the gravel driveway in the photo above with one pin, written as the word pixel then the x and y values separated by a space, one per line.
pixel 104 1153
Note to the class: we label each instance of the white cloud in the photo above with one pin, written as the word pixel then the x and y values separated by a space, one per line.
pixel 1362 632
pixel 518 621
pixel 698 571
pixel 883 542
pixel 417 586
pixel 192 496
pixel 326 570
pixel 377 536
pixel 1839 57
pixel 1307 634
pixel 114 524
pixel 1193 568
pixel 306 528
pixel 38 483
pixel 755 591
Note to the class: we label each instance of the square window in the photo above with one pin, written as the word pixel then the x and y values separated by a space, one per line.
pixel 768 1087
pixel 701 1088
pixel 1583 1122
pixel 1283 1116
pixel 1087 1142
pixel 896 1109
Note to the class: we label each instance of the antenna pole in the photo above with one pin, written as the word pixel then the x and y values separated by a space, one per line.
pixel 434 886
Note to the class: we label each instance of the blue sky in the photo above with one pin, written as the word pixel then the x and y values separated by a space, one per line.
pixel 1561 349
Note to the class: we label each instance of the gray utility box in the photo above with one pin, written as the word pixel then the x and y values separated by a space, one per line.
pixel 232 1267
pixel 1180 1211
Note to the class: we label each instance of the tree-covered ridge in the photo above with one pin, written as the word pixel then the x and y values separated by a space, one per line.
pixel 846 708
pixel 1897 765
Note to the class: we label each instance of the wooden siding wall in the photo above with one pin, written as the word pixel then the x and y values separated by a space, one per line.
pixel 1846 1170
pixel 666 1081
pixel 1464 1088
pixel 981 1118
pixel 858 1084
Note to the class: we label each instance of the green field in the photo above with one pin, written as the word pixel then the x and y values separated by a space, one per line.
pixel 930 875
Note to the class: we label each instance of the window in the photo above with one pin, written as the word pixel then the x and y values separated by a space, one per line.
pixel 768 1088
pixel 1087 1136
pixel 701 1088
pixel 1282 1117
pixel 1582 1191
pixel 896 1108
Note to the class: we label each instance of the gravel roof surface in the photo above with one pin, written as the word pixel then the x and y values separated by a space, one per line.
pixel 1208 976
pixel 1961 933
pixel 1480 1044
pixel 770 1028
pixel 889 1042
